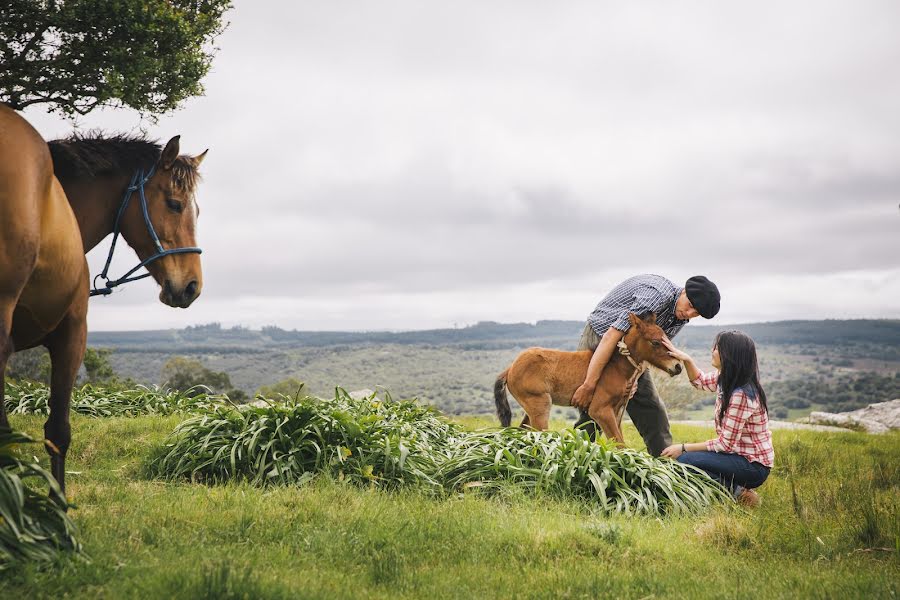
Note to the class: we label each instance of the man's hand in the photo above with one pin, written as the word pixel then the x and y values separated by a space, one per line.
pixel 582 398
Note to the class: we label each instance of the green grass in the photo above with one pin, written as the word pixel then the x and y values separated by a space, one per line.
pixel 829 527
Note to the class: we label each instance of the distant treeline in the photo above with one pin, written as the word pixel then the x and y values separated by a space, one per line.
pixel 867 335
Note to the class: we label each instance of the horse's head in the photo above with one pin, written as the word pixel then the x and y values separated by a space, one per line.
pixel 173 213
pixel 645 342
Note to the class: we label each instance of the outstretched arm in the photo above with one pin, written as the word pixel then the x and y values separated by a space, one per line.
pixel 689 365
pixel 604 351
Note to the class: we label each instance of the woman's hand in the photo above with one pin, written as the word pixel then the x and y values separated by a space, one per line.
pixel 675 352
pixel 673 451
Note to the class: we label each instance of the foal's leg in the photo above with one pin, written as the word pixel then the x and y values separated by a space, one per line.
pixel 66 346
pixel 605 416
pixel 539 411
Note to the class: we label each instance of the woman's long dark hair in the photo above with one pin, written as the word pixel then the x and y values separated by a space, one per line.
pixel 737 356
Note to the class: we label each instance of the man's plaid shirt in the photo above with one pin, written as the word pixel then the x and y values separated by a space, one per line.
pixel 744 428
pixel 640 295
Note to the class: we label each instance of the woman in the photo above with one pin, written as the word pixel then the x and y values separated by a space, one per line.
pixel 742 455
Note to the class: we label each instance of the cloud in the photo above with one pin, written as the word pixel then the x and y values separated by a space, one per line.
pixel 375 163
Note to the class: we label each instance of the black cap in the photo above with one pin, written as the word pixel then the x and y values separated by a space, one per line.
pixel 704 296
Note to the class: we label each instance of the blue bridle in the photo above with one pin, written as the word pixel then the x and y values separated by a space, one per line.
pixel 137 183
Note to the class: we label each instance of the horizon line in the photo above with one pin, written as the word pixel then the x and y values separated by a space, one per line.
pixel 475 324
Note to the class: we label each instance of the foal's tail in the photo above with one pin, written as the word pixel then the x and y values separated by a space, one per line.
pixel 501 401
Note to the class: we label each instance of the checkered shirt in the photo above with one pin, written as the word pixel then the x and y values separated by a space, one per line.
pixel 744 428
pixel 640 294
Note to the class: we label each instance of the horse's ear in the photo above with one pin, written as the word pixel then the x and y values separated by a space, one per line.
pixel 199 158
pixel 634 320
pixel 650 317
pixel 169 153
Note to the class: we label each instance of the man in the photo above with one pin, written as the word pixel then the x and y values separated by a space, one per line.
pixel 674 307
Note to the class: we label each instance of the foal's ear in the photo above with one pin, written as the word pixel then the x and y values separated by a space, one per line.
pixel 169 153
pixel 634 320
pixel 199 158
pixel 650 317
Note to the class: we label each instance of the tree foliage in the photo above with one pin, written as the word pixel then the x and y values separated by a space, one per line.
pixel 186 374
pixel 288 387
pixel 76 55
pixel 96 365
pixel 32 364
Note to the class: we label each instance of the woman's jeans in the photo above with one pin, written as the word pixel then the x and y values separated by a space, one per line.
pixel 731 470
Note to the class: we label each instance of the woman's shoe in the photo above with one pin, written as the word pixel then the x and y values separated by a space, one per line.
pixel 748 498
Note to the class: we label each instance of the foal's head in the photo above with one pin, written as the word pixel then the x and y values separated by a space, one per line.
pixel 645 342
pixel 173 211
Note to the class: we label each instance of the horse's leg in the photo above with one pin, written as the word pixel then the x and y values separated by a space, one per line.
pixel 526 422
pixel 6 349
pixel 66 345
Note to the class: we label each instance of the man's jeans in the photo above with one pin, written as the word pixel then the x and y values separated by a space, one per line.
pixel 731 470
pixel 646 409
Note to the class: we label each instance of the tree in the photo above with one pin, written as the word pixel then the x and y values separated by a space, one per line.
pixel 76 55
pixel 185 374
pixel 289 387
pixel 32 364
pixel 96 365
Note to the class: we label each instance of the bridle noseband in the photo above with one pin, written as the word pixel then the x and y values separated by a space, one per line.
pixel 138 181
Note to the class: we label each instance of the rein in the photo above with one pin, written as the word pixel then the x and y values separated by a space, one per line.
pixel 138 181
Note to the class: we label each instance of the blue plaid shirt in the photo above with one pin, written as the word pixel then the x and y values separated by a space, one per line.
pixel 640 294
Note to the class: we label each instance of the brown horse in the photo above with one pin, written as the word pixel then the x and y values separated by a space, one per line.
pixel 539 378
pixel 59 200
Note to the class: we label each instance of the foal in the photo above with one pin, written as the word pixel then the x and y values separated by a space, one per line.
pixel 539 378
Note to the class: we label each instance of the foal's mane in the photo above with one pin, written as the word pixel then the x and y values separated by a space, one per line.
pixel 94 154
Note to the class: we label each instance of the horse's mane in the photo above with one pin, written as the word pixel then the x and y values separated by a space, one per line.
pixel 94 154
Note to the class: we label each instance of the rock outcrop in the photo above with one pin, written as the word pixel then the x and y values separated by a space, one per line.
pixel 875 418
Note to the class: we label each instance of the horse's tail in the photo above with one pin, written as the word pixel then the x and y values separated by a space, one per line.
pixel 501 401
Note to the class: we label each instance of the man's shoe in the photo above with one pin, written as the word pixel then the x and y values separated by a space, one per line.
pixel 749 498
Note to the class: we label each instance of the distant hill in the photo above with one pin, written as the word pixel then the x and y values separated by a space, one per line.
pixel 806 365
pixel 486 335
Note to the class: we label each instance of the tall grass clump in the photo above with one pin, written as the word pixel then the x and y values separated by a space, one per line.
pixel 390 444
pixel 366 440
pixel 569 464
pixel 31 398
pixel 34 525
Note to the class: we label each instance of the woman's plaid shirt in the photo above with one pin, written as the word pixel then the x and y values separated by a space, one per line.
pixel 744 428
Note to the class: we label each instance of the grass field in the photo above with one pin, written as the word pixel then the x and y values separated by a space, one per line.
pixel 829 527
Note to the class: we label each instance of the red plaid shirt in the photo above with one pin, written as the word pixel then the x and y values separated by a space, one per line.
pixel 744 428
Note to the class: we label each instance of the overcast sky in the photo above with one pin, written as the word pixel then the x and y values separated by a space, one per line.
pixel 408 165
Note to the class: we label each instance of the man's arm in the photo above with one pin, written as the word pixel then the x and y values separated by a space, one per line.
pixel 604 351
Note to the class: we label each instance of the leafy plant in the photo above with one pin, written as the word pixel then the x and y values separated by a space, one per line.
pixel 398 443
pixel 367 441
pixel 34 526
pixel 30 398
pixel 569 464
